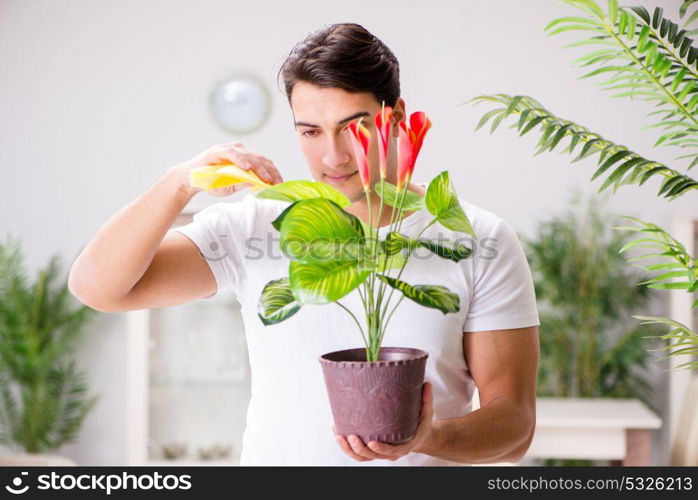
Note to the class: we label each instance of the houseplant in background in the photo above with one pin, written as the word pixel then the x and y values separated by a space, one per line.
pixel 374 391
pixel 589 346
pixel 43 399
pixel 650 57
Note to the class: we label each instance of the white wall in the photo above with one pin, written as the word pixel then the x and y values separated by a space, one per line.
pixel 98 99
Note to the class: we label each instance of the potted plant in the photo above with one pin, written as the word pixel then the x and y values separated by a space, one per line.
pixel 42 395
pixel 374 391
pixel 589 348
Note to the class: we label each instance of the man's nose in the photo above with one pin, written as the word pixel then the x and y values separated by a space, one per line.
pixel 337 154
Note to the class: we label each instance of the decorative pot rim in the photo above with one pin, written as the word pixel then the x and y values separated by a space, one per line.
pixel 414 355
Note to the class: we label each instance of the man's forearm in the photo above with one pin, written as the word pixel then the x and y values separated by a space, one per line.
pixel 500 431
pixel 118 255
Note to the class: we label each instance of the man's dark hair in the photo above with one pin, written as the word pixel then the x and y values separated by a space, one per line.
pixel 345 56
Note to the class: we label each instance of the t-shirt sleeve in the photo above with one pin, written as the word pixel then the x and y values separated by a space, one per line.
pixel 215 230
pixel 503 295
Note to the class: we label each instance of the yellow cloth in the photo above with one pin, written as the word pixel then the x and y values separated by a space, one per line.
pixel 217 176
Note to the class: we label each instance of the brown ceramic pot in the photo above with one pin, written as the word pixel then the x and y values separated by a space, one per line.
pixel 379 400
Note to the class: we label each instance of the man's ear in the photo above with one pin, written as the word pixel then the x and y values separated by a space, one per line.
pixel 399 114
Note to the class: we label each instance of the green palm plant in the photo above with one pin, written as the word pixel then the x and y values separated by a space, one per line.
pixel 649 57
pixel 585 291
pixel 43 399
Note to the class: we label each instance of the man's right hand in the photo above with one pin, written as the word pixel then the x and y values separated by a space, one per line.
pixel 236 153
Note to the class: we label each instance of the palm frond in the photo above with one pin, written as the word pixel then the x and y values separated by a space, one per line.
pixel 43 397
pixel 67 405
pixel 684 9
pixel 630 167
pixel 682 341
pixel 678 269
pixel 649 57
pixel 9 414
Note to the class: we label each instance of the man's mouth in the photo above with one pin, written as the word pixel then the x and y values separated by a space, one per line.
pixel 341 179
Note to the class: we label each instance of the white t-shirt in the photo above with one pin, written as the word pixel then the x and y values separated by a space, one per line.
pixel 289 420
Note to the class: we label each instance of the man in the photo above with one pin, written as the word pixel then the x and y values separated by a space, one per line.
pixel 333 77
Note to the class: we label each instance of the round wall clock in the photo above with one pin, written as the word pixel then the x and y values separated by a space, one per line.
pixel 240 103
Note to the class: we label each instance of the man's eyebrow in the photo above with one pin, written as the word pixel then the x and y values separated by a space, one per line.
pixel 347 119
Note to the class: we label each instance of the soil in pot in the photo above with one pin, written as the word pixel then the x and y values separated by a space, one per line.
pixel 380 400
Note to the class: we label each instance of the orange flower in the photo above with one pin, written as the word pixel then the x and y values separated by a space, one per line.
pixel 361 141
pixel 420 125
pixel 405 141
pixel 409 144
pixel 383 120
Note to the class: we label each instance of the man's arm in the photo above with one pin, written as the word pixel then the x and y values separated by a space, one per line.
pixel 135 261
pixel 504 366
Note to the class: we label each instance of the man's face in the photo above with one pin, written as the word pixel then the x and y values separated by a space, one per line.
pixel 322 117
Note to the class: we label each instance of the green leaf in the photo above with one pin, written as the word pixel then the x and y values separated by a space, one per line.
pixel 532 123
pixel 452 251
pixel 487 116
pixel 395 242
pixel 434 296
pixel 623 21
pixel 630 28
pixel 389 194
pixel 570 19
pixel 610 161
pixel 324 282
pixel 606 69
pixel 613 10
pixel 666 276
pixel 576 27
pixel 277 303
pixel 657 17
pixel 684 7
pixel 558 136
pixel 591 7
pixel 686 89
pixel 442 202
pixel 669 286
pixel 311 227
pixel 302 190
pixel 619 172
pixel 642 40
pixel 522 118
pixel 642 13
pixel 587 149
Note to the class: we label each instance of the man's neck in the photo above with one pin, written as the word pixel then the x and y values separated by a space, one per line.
pixel 360 208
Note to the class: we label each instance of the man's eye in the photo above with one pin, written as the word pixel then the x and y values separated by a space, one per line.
pixel 305 134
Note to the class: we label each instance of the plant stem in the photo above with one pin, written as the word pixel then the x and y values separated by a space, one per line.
pixel 396 210
pixel 649 73
pixel 355 320
pixel 384 328
pixel 405 263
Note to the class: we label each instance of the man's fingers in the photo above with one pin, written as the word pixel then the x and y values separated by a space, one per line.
pixel 355 447
pixel 245 159
pixel 428 400
pixel 275 174
pixel 360 448
pixel 348 450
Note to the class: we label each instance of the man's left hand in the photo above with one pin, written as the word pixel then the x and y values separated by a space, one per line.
pixel 360 451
